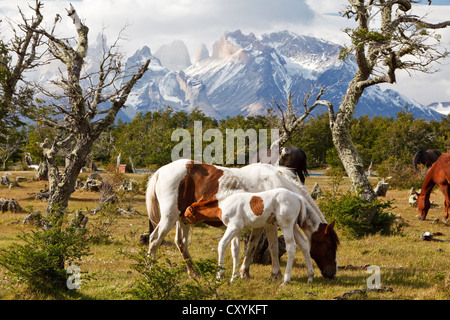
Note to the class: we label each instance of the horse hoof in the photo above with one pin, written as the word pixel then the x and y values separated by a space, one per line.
pixel 285 283
pixel 245 274
pixel 277 276
pixel 310 279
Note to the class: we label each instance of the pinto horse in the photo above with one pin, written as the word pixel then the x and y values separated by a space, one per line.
pixel 256 210
pixel 177 185
pixel 439 174
pixel 426 157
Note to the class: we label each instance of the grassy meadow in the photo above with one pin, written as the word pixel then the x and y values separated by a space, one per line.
pixel 413 268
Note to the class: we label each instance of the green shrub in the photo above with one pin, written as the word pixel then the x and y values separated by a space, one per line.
pixel 350 212
pixel 164 280
pixel 401 175
pixel 39 262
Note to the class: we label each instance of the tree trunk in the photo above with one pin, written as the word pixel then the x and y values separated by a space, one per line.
pixel 62 185
pixel 352 163
pixel 342 139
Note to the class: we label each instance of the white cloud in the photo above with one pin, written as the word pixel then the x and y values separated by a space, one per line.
pixel 156 22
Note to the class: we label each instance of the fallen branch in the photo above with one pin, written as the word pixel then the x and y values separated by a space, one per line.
pixel 346 295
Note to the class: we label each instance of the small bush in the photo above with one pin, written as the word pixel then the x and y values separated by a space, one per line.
pixel 164 280
pixel 349 211
pixel 39 262
pixel 402 175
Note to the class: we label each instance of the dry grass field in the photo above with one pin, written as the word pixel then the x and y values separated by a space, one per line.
pixel 412 268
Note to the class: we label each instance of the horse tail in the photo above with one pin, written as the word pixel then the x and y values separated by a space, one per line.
pixel 305 172
pixel 151 200
pixel 304 169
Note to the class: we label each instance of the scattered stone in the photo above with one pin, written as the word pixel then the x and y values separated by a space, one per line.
pixel 428 236
pixel 34 218
pixel 94 183
pixel 381 188
pixel 5 181
pixel 43 195
pixel 412 197
pixel 9 205
pixel 316 192
pixel 129 185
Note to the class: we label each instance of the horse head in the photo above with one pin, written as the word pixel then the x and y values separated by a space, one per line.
pixel 423 205
pixel 323 249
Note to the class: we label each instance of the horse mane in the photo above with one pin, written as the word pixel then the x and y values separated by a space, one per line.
pixel 291 177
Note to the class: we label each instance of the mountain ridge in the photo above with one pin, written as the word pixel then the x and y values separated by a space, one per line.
pixel 244 74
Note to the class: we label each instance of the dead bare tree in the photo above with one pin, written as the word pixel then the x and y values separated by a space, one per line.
pixel 85 104
pixel 289 121
pixel 19 53
pixel 401 42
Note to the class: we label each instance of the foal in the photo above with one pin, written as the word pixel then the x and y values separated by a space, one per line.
pixel 256 210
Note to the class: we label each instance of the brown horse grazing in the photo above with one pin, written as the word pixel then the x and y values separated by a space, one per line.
pixel 439 174
pixel 426 157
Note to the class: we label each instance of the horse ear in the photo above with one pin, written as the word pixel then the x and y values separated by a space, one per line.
pixel 329 227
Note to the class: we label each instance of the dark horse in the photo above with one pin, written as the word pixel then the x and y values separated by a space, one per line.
pixel 439 174
pixel 426 157
pixel 291 157
pixel 295 159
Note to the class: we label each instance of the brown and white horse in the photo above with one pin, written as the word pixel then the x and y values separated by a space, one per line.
pixel 439 174
pixel 256 210
pixel 177 185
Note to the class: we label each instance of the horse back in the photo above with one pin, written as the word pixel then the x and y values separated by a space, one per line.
pixel 440 171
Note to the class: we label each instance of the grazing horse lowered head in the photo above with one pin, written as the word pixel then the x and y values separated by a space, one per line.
pixel 426 158
pixel 439 174
pixel 177 185
pixel 295 159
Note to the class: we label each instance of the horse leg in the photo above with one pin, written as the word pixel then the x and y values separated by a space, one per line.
pixel 447 204
pixel 446 192
pixel 230 233
pixel 166 223
pixel 272 238
pixel 290 250
pixel 303 243
pixel 249 253
pixel 235 253
pixel 181 240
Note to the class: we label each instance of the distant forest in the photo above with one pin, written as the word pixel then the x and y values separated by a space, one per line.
pixel 147 138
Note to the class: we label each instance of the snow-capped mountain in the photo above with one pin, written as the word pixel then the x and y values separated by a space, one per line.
pixel 441 107
pixel 244 74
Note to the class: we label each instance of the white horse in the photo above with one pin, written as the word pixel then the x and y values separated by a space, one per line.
pixel 256 210
pixel 177 185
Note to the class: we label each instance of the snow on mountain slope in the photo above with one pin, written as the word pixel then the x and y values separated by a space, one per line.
pixel 244 74
pixel 441 107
